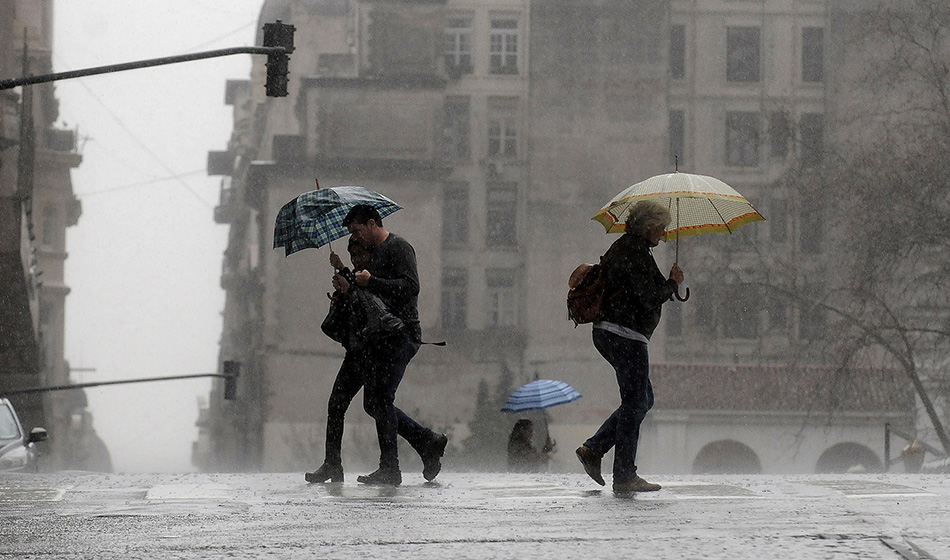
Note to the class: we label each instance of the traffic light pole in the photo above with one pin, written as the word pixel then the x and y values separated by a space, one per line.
pixel 231 371
pixel 42 78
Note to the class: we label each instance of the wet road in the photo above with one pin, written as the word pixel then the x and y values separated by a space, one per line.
pixel 547 516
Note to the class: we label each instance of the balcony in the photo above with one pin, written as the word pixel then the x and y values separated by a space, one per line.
pixel 228 208
pixel 60 140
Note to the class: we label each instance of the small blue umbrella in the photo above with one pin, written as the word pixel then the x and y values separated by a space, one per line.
pixel 540 394
pixel 315 218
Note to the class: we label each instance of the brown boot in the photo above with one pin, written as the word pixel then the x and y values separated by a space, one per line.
pixel 635 484
pixel 591 463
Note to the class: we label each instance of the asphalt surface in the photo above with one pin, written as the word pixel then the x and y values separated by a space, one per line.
pixel 76 515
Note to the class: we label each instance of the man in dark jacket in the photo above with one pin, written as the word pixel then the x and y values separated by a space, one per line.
pixel 392 275
pixel 634 293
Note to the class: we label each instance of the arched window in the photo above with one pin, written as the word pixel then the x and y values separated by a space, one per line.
pixel 726 457
pixel 848 457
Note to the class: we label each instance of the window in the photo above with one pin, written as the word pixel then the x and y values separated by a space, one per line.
pixel 503 46
pixel 745 239
pixel 455 128
pixel 742 54
pixel 707 309
pixel 741 316
pixel 677 136
pixel 502 301
pixel 776 313
pixel 742 139
pixel 779 134
pixel 813 54
pixel 458 45
pixel 49 226
pixel 674 320
pixel 501 229
pixel 811 321
pixel 455 214
pixel 809 231
pixel 454 298
pixel 503 126
pixel 812 139
pixel 678 51
pixel 778 221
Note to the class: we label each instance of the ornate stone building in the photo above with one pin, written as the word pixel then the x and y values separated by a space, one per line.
pixel 37 206
pixel 501 126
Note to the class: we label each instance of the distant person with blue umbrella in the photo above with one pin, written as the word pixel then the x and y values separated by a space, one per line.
pixel 634 293
pixel 523 456
pixel 536 396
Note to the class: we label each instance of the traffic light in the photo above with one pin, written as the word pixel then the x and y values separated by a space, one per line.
pixel 278 35
pixel 232 370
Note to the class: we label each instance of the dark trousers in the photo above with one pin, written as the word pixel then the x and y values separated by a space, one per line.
pixel 386 363
pixel 349 381
pixel 630 360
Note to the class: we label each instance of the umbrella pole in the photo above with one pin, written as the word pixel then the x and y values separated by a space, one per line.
pixel 676 257
pixel 676 254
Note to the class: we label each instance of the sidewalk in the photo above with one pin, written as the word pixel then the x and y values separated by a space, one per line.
pixel 465 515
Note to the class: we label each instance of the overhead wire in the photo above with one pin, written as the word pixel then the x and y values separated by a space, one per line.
pixel 173 175
pixel 139 183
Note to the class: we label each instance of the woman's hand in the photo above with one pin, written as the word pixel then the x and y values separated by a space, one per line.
pixel 340 284
pixel 335 261
pixel 676 274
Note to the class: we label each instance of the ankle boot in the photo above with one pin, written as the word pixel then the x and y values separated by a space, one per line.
pixel 333 473
pixel 381 477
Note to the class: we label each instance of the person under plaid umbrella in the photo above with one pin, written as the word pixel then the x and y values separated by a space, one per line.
pixel 315 218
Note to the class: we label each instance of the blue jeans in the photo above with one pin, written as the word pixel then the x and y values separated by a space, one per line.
pixel 386 362
pixel 631 361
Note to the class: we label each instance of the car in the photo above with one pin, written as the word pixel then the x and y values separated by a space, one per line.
pixel 18 451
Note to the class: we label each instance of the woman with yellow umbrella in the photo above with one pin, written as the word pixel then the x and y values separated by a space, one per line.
pixel 635 291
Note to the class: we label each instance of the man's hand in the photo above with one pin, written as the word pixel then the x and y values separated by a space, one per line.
pixel 676 274
pixel 335 261
pixel 362 278
pixel 340 284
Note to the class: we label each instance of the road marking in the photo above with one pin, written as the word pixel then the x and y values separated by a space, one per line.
pixel 178 492
pixel 31 494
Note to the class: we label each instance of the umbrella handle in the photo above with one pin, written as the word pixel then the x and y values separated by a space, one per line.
pixel 679 297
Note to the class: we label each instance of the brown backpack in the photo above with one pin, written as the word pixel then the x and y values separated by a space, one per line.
pixel 586 293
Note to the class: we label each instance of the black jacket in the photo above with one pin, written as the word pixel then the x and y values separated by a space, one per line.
pixel 635 289
pixel 395 279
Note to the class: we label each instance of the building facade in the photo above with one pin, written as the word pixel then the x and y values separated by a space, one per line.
pixel 501 127
pixel 36 157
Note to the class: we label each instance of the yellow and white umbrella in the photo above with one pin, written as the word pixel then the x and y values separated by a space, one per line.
pixel 698 204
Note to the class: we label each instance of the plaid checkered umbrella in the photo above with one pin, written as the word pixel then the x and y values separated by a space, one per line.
pixel 540 394
pixel 315 218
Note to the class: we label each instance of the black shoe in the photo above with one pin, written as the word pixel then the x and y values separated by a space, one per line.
pixel 432 458
pixel 333 473
pixel 591 463
pixel 381 478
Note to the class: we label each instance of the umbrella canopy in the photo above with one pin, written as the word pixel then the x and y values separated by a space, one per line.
pixel 540 394
pixel 698 204
pixel 315 218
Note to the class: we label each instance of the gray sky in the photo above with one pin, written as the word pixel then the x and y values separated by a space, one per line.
pixel 145 259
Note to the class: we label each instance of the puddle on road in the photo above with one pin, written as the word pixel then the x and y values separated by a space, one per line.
pixel 31 494
pixel 707 491
pixel 868 488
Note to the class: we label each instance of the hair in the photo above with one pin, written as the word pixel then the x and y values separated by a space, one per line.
pixel 362 214
pixel 647 214
pixel 518 432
